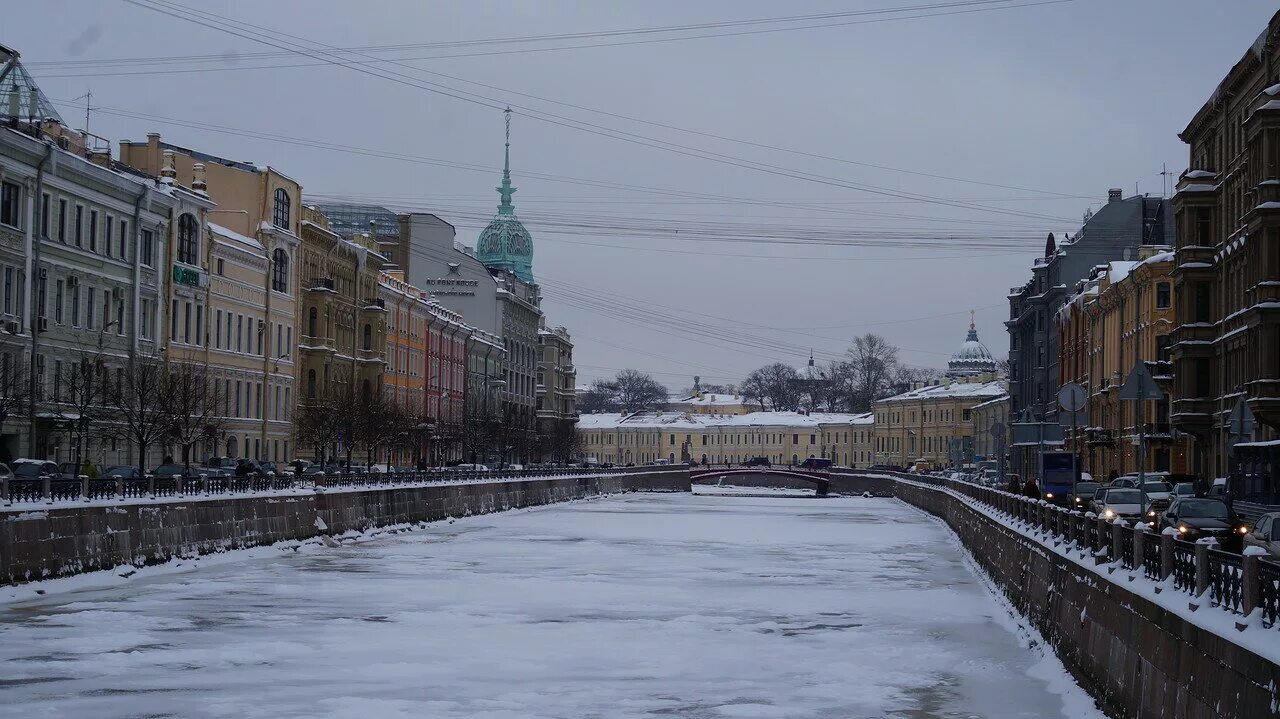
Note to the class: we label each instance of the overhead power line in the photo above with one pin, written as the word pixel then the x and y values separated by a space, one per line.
pixel 329 55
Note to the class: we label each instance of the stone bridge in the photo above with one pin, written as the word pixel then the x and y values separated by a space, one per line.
pixel 820 481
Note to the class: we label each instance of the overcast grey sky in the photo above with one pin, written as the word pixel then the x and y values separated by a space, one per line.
pixel 1067 98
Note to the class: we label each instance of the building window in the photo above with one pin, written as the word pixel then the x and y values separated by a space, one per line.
pixel 281 216
pixel 9 205
pixel 221 267
pixel 1164 295
pixel 110 223
pixel 1202 303
pixel 75 303
pixel 280 271
pixel 93 230
pixel 368 337
pixel 124 232
pixel 44 215
pixel 148 248
pixel 8 290
pixel 79 224
pixel 57 303
pixel 187 241
pixel 62 220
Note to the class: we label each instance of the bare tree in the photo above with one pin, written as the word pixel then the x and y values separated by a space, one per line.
pixel 80 392
pixel 602 396
pixel 195 407
pixel 777 383
pixel 630 391
pixel 143 405
pixel 870 371
pixel 15 389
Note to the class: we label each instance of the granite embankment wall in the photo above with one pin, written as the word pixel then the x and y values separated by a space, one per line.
pixel 64 539
pixel 1137 658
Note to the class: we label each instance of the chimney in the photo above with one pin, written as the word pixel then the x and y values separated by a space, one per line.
pixel 102 158
pixel 168 172
pixel 1115 194
pixel 15 105
pixel 33 108
pixel 198 181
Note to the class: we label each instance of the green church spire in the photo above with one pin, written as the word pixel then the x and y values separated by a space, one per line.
pixel 506 190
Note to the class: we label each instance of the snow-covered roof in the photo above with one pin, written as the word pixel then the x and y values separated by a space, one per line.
pixel 991 402
pixel 957 389
pixel 234 236
pixel 682 420
pixel 713 400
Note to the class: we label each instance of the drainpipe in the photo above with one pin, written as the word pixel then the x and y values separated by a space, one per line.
pixel 32 265
pixel 137 272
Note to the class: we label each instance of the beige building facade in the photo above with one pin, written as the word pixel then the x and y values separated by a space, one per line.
pixel 927 424
pixel 249 319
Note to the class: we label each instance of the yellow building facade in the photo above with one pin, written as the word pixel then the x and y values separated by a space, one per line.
pixel 248 320
pixel 930 423
pixel 783 437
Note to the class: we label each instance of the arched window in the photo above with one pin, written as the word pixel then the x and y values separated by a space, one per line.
pixel 281 217
pixel 280 270
pixel 188 239
pixel 368 337
pixel 311 384
pixel 312 320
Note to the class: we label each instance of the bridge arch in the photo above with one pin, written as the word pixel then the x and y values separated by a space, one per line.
pixel 819 481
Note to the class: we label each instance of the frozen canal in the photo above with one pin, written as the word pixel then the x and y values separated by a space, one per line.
pixel 641 606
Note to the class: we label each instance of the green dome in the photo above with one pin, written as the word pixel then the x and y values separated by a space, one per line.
pixel 505 244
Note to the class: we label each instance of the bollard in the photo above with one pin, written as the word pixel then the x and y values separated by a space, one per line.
pixel 1139 545
pixel 46 489
pixel 1103 532
pixel 1117 541
pixel 120 488
pixel 1202 565
pixel 204 484
pixel 151 487
pixel 1250 582
pixel 1166 556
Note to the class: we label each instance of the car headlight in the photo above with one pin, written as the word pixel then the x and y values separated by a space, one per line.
pixel 1151 513
pixel 1243 529
pixel 1108 513
pixel 1183 529
pixel 1048 495
pixel 1077 500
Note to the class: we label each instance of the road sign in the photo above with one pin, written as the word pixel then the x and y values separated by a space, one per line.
pixel 1139 385
pixel 1034 433
pixel 1071 397
pixel 1240 423
pixel 997 430
pixel 1073 419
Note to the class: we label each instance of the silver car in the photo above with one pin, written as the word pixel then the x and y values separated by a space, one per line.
pixel 1266 534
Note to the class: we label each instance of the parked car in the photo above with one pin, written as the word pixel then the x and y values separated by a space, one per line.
pixel 758 462
pixel 472 468
pixel 816 463
pixel 1083 494
pixel 122 472
pixel 1196 517
pixel 34 469
pixel 1119 503
pixel 1159 495
pixel 1266 534
pixel 227 463
pixel 69 470
pixel 166 471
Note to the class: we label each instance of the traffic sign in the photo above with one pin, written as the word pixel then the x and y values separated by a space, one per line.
pixel 997 430
pixel 1240 422
pixel 1071 397
pixel 1073 419
pixel 1139 385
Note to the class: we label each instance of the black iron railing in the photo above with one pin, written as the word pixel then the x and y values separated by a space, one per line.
pixel 46 491
pixel 1225 580
pixel 1269 584
pixel 1184 565
pixel 1151 563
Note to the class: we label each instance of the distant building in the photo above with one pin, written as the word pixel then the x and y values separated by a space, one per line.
pixel 382 226
pixel 712 403
pixel 986 415
pixel 557 401
pixel 784 437
pixel 1114 232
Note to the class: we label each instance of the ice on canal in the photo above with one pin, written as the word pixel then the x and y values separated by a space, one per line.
pixel 636 606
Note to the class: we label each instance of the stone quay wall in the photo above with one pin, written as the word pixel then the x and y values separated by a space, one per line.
pixel 66 539
pixel 1137 658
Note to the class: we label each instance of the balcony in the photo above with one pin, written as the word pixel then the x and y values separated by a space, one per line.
pixel 1099 438
pixel 1158 431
